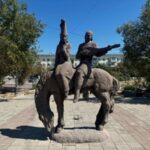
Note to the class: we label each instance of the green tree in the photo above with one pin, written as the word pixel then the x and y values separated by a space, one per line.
pixel 19 32
pixel 37 69
pixel 136 48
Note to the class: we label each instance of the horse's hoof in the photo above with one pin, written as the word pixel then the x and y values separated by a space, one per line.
pixel 66 94
pixel 58 129
pixel 111 111
pixel 99 127
pixel 75 100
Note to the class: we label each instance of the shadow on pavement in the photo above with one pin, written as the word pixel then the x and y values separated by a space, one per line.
pixel 3 100
pixel 74 128
pixel 121 99
pixel 26 132
pixel 133 100
pixel 89 100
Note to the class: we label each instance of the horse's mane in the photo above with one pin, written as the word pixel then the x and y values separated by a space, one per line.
pixel 43 78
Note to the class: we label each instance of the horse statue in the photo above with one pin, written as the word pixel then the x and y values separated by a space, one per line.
pixel 103 85
pixel 61 82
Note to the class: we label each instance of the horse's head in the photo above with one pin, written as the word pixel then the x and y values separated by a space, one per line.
pixel 48 122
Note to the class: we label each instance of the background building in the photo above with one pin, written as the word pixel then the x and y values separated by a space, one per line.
pixel 46 60
pixel 109 60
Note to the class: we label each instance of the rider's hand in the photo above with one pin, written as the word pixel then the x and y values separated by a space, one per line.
pixel 108 47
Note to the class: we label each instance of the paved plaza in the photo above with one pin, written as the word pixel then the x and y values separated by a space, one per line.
pixel 128 126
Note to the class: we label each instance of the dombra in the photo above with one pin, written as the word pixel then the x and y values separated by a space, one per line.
pixel 103 85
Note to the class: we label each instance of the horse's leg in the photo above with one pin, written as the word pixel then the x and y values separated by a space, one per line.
pixel 65 86
pixel 60 109
pixel 112 103
pixel 102 116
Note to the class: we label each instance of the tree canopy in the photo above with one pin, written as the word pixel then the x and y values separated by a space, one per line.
pixel 19 32
pixel 136 37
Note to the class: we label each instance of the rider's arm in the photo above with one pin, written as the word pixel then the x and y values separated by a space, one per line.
pixel 78 55
pixel 101 51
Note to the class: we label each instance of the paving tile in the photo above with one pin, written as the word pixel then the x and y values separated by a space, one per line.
pixel 128 126
pixel 84 146
pixel 55 146
pixel 121 146
pixel 95 146
pixel 109 145
pixel 69 147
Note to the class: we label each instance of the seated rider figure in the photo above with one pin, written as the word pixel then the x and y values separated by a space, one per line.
pixel 62 55
pixel 85 53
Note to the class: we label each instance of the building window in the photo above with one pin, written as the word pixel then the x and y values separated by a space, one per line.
pixel 43 59
pixel 48 59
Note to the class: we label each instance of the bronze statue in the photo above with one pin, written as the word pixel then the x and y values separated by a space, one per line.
pixel 61 82
pixel 85 53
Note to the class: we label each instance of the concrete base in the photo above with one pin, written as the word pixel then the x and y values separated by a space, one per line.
pixel 80 136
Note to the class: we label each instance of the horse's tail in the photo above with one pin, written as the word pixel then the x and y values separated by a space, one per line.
pixel 115 86
pixel 41 97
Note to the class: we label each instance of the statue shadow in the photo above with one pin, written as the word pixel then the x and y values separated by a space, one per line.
pixel 133 100
pixel 23 99
pixel 26 132
pixel 34 133
pixel 4 100
pixel 91 99
pixel 74 128
pixel 121 99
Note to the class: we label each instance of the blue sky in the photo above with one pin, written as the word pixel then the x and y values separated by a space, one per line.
pixel 101 16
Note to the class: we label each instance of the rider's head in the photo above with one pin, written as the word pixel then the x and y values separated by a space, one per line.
pixel 88 36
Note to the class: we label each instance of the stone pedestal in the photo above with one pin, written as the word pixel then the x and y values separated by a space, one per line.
pixel 81 135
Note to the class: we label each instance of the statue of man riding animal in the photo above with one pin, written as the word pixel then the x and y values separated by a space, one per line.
pixel 66 80
pixel 85 53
